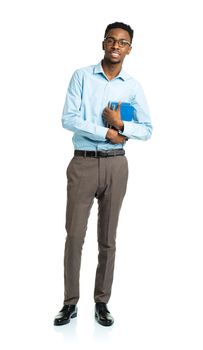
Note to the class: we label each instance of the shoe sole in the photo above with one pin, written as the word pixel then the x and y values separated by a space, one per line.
pixel 101 323
pixel 65 322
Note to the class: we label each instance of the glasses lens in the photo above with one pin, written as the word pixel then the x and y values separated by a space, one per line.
pixel 109 41
pixel 123 43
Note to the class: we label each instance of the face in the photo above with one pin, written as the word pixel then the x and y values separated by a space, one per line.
pixel 113 52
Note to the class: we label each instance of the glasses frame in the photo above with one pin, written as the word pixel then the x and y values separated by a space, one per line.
pixel 126 42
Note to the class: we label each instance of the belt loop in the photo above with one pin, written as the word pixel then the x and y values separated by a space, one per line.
pixel 85 154
pixel 96 154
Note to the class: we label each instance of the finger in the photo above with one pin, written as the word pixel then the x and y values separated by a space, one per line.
pixel 119 105
pixel 104 112
pixel 107 112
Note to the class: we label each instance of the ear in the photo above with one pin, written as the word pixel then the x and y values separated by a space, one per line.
pixel 129 49
pixel 102 45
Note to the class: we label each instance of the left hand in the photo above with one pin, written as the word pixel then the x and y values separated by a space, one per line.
pixel 113 117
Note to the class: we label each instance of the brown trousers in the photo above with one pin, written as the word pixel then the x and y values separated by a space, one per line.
pixel 106 179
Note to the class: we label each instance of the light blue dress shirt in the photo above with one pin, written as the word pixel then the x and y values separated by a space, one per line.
pixel 88 93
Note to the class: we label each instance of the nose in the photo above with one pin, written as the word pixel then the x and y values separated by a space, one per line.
pixel 115 44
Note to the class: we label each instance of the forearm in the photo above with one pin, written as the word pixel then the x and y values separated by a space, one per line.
pixel 138 131
pixel 84 128
pixel 135 130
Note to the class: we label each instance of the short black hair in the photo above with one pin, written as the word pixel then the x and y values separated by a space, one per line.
pixel 119 25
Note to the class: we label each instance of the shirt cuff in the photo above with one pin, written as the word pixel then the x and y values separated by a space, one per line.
pixel 127 129
pixel 101 131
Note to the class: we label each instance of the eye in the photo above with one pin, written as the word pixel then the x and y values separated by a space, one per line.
pixel 122 43
pixel 109 41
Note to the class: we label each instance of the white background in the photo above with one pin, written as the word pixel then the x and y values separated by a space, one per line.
pixel 157 292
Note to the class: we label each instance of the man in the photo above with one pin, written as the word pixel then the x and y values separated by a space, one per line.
pixel 99 167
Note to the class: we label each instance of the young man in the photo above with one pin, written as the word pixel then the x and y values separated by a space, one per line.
pixel 99 167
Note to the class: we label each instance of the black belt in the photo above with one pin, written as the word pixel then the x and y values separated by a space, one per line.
pixel 98 154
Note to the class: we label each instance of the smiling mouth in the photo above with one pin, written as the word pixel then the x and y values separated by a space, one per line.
pixel 115 54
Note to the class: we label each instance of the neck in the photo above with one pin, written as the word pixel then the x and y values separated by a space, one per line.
pixel 110 69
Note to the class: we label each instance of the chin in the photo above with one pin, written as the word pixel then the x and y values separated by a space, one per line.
pixel 114 61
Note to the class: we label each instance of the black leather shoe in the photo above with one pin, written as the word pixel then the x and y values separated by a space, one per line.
pixel 65 314
pixel 103 315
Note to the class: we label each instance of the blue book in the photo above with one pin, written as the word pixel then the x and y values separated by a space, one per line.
pixel 128 112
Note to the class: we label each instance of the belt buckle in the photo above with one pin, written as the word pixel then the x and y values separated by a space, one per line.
pixel 104 154
pixel 111 153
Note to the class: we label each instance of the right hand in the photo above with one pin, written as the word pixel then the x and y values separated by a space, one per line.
pixel 114 136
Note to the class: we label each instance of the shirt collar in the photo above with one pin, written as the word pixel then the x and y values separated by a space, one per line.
pixel 98 69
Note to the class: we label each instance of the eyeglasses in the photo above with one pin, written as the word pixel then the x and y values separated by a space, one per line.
pixel 121 42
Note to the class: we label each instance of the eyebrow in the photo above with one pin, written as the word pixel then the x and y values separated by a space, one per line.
pixel 113 37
